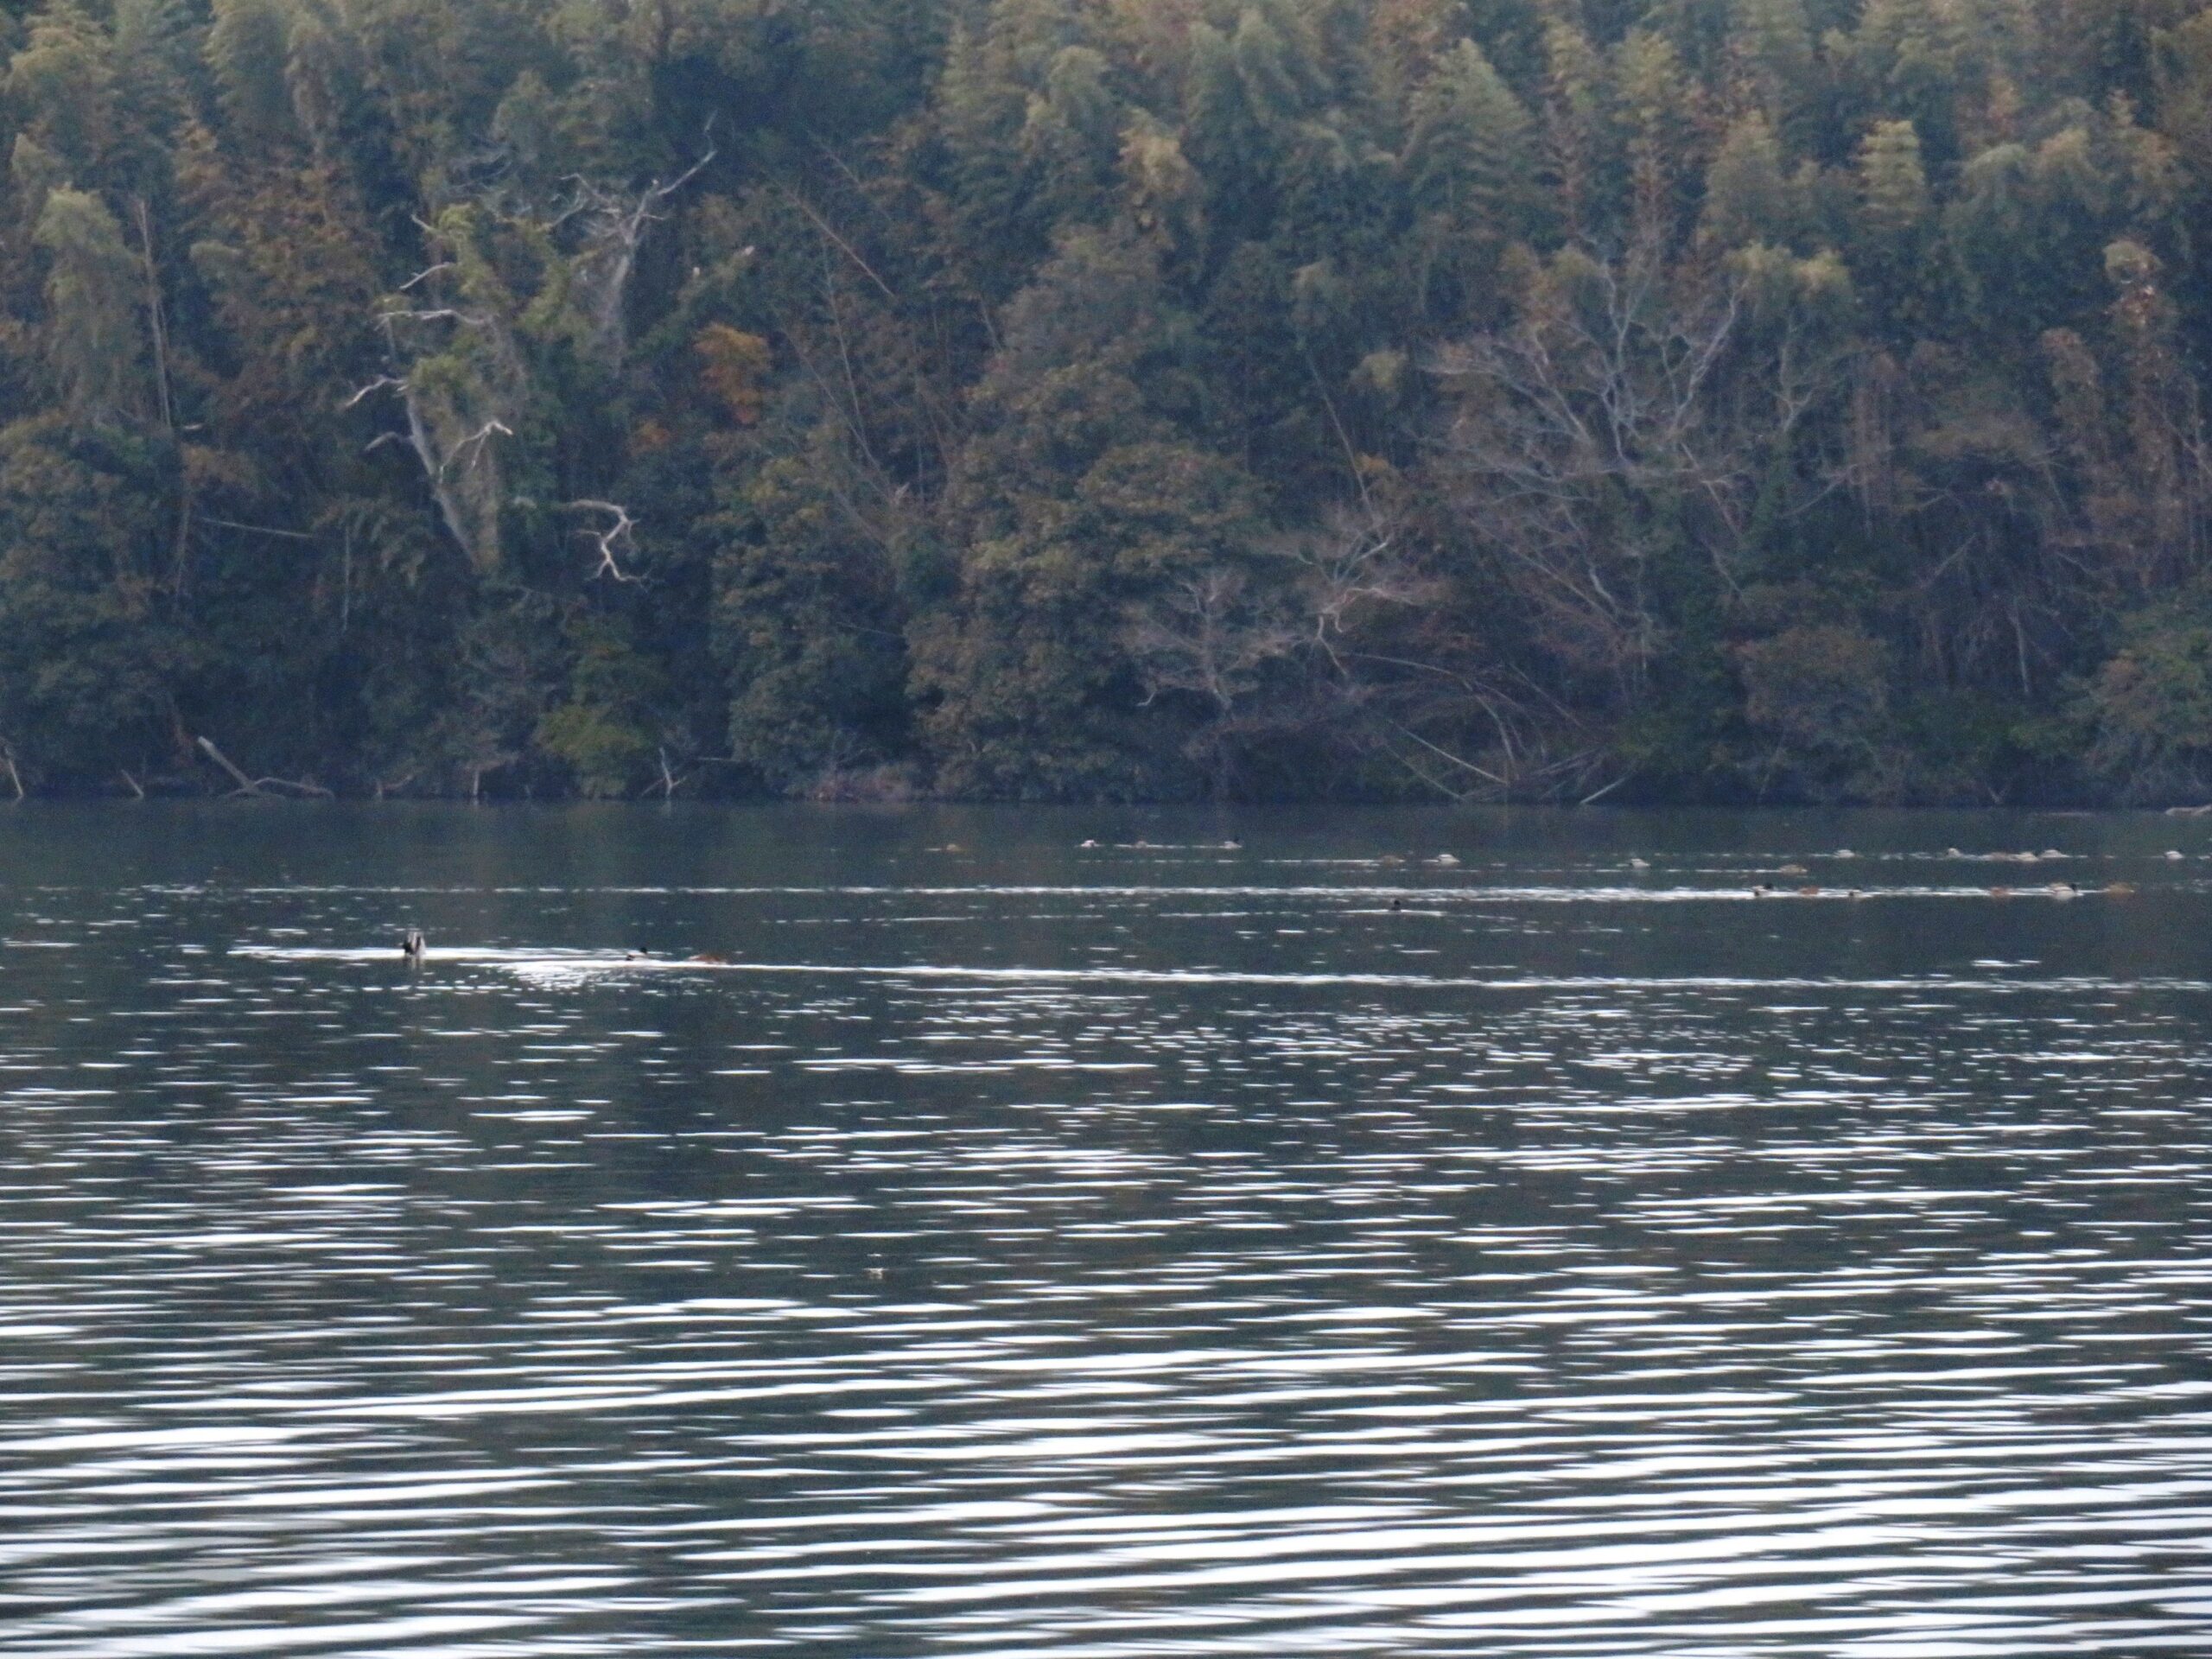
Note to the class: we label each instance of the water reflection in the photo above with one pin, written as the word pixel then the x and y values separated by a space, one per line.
pixel 1087 1252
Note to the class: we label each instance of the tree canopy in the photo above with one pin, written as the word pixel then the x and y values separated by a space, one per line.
pixel 1109 400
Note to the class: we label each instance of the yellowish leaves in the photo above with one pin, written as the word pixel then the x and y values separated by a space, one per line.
pixel 734 365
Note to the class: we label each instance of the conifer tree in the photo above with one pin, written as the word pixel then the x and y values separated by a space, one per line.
pixel 92 335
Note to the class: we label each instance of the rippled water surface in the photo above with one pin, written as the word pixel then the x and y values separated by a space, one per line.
pixel 1395 1234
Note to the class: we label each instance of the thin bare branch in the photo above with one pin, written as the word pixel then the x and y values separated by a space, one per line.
pixel 617 533
pixel 381 383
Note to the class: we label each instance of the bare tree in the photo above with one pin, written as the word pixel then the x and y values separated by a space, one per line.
pixel 464 378
pixel 1210 635
pixel 1351 565
pixel 458 344
pixel 616 535
pixel 1621 416
pixel 1211 638
pixel 614 228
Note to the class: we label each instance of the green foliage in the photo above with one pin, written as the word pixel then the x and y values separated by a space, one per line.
pixel 2149 709
pixel 87 646
pixel 606 729
pixel 1821 693
pixel 1750 398
pixel 92 290
pixel 807 621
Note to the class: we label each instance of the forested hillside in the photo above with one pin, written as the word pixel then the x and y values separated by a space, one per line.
pixel 1730 400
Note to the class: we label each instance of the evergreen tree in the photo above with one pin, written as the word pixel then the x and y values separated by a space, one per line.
pixel 1747 197
pixel 94 346
pixel 1147 397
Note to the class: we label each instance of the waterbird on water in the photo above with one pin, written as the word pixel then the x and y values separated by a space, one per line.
pixel 413 946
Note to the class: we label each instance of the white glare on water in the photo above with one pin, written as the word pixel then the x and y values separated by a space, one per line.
pixel 1135 1256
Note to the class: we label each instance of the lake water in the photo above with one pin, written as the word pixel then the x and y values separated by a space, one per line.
pixel 1304 1248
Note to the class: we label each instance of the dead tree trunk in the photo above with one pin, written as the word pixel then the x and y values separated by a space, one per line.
pixel 246 785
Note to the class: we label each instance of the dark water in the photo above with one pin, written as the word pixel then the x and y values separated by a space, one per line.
pixel 1140 1250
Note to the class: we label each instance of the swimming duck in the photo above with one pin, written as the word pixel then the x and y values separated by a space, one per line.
pixel 2174 853
pixel 1639 863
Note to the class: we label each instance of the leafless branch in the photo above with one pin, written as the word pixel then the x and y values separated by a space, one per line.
pixel 257 529
pixel 381 383
pixel 475 441
pixel 434 314
pixel 617 533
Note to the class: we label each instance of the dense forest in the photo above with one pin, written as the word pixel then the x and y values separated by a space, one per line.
pixel 1108 399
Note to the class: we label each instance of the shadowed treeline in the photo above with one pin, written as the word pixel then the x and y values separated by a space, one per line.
pixel 1732 399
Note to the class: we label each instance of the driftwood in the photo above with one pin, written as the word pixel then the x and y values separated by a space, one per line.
pixel 256 785
pixel 246 785
pixel 15 778
pixel 134 788
pixel 2187 811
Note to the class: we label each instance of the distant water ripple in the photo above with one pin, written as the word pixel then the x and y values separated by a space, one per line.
pixel 1098 1279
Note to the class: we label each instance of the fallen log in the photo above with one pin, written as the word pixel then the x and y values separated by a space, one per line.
pixel 246 785
pixel 257 786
